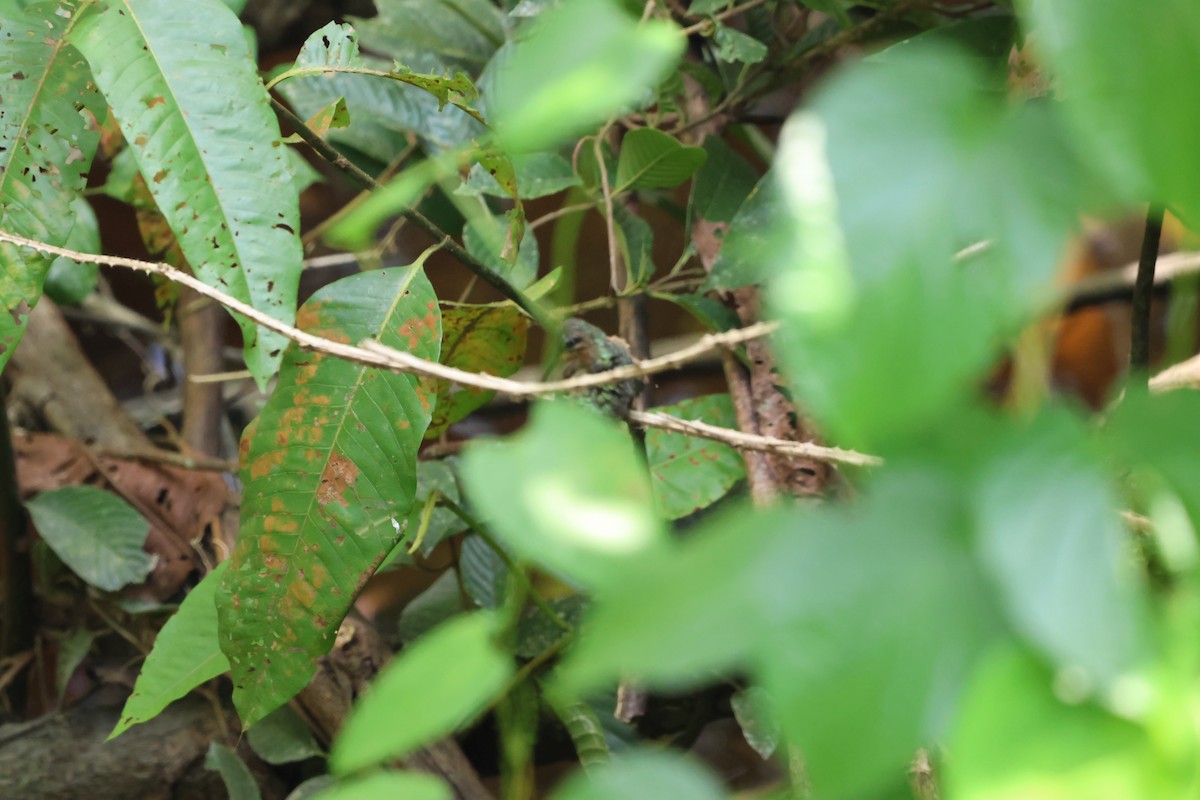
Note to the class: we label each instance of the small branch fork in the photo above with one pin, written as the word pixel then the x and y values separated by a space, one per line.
pixel 373 354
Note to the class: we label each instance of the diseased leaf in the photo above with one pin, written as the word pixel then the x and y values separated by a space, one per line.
pixel 186 654
pixel 329 469
pixel 46 147
pixel 431 688
pixel 213 160
pixel 688 473
pixel 651 159
pixel 97 534
pixel 485 339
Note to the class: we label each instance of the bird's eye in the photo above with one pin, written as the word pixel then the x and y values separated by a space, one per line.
pixel 571 342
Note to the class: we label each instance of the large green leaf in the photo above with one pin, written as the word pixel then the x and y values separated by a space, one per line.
pixel 329 469
pixel 581 63
pixel 282 737
pixel 97 534
pixel 382 111
pixel 186 654
pixel 651 159
pixel 642 775
pixel 568 493
pixel 690 473
pixel 433 687
pixel 1051 539
pixel 724 181
pixel 194 112
pixel 882 301
pixel 486 339
pixel 46 147
pixel 1138 113
pixel 430 34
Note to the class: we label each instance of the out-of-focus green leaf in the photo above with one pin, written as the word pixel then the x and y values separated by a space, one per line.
pixel 651 159
pixel 441 601
pixel 485 339
pixel 581 63
pixel 213 160
pixel 234 772
pixel 97 534
pixel 431 688
pixel 186 654
pixel 834 8
pixel 377 785
pixel 1051 539
pixel 1016 741
pixel 860 624
pixel 722 184
pixel 312 787
pixel 281 737
pixel 430 35
pixel 487 237
pixel 635 237
pixel 1134 113
pixel 567 493
pixel 329 469
pixel 713 314
pixel 536 632
pixel 733 45
pixel 751 708
pixel 642 775
pixel 538 175
pixel 882 301
pixel 46 147
pixel 69 282
pixel 690 473
pixel 988 39
pixel 744 257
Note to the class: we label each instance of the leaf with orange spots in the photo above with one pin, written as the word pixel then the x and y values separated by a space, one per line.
pixel 487 339
pixel 687 473
pixel 329 470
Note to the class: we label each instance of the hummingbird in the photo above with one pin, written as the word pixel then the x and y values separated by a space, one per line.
pixel 587 349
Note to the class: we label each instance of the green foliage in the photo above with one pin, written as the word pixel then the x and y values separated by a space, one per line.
pixel 651 159
pixel 642 775
pixel 186 654
pixel 329 467
pixel 687 473
pixel 46 147
pixel 97 534
pixel 281 737
pixel 441 682
pixel 213 161
pixel 239 782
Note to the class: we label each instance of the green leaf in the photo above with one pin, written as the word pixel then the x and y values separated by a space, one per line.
pixel 382 111
pixel 441 601
pixel 431 688
pixel 312 787
pixel 484 339
pixel 97 534
pixel 282 737
pixel 46 147
pixel 1135 114
pixel 69 282
pixel 1015 740
pixel 733 45
pixel 186 654
pixel 712 314
pixel 329 469
pixel 642 775
pixel 690 473
pixel 636 240
pixel 488 236
pixel 1050 537
pixel 651 159
pixel 234 772
pixel 429 34
pixel 882 301
pixel 537 633
pixel 834 8
pixel 582 62
pixel 744 257
pixel 483 572
pixel 213 160
pixel 722 184
pixel 304 174
pixel 567 493
pixel 406 785
pixel 72 649
pixel 538 175
pixel 752 709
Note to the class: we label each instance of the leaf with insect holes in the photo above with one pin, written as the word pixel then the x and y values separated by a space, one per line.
pixel 328 466
pixel 486 339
